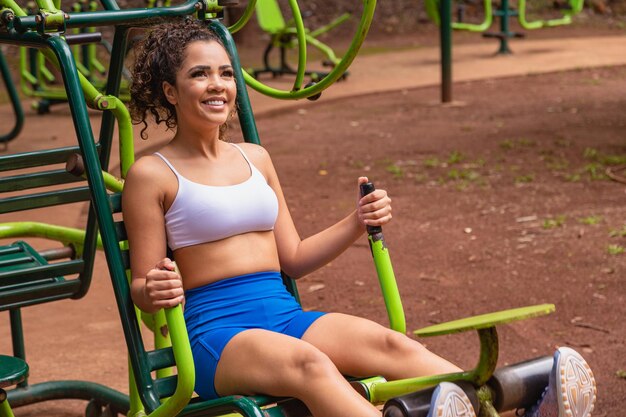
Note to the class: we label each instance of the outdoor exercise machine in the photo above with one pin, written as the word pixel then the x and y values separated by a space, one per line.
pixel 440 11
pixel 29 276
pixel 504 11
pixel 283 36
pixel 38 81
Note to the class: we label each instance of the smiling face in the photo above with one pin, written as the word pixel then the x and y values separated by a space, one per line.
pixel 205 90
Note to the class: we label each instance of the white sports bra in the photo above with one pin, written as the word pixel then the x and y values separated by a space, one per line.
pixel 204 213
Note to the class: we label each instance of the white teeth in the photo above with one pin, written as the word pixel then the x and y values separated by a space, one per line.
pixel 215 102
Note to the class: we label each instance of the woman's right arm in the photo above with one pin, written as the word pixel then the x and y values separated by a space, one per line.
pixel 154 283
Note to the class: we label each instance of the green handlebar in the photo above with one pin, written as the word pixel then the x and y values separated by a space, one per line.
pixel 384 270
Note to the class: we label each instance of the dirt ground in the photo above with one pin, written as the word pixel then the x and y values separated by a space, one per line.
pixel 500 201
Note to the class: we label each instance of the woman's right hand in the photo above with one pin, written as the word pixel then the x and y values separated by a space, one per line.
pixel 164 286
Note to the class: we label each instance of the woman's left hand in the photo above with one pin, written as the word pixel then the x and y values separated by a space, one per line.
pixel 373 209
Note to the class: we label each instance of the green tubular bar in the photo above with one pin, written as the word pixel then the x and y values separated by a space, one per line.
pixel 485 325
pixel 78 390
pixel 15 102
pixel 244 110
pixel 575 7
pixel 245 17
pixel 301 35
pixel 138 16
pixel 433 7
pixel 330 26
pixel 388 284
pixel 113 17
pixel 65 235
pixel 45 73
pixel 477 27
pixel 5 409
pixel 366 20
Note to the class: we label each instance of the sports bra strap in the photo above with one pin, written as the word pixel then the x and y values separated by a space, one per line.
pixel 168 163
pixel 178 175
pixel 243 153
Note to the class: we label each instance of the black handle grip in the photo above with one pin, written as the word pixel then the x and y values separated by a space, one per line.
pixel 366 189
pixel 82 38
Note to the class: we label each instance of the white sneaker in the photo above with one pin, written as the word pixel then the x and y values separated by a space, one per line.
pixel 449 400
pixel 571 391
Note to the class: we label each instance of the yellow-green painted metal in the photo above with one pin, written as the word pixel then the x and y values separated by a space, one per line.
pixel 387 280
pixel 269 16
pixel 245 17
pixel 486 327
pixel 366 19
pixel 485 398
pixel 574 7
pixel 45 73
pixel 480 27
pixel 5 408
pixel 330 26
pixel 184 365
pixel 11 4
pixel 301 36
pixel 484 321
pixel 65 235
pixel 433 11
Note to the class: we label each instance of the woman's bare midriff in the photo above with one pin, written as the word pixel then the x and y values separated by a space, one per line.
pixel 237 255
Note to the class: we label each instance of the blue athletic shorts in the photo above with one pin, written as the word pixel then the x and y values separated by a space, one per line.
pixel 216 312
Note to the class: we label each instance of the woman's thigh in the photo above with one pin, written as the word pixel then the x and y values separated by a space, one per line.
pixel 361 347
pixel 261 361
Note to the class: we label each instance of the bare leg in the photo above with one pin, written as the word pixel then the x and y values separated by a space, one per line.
pixel 263 362
pixel 360 347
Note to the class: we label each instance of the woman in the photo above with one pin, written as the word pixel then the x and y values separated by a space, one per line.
pixel 220 208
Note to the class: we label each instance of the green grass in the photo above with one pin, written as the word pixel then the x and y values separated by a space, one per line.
pixel 554 222
pixel 432 162
pixel 615 249
pixel 395 170
pixel 618 232
pixel 455 157
pixel 523 179
pixel 507 144
pixel 463 174
pixel 590 220
pixel 573 177
pixel 510 144
pixel 595 171
pixel 554 163
pixel 603 159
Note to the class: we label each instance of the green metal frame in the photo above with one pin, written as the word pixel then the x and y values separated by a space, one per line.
pixel 84 242
pixel 15 102
pixel 433 11
pixel 504 12
pixel 297 92
pixel 167 394
pixel 381 391
pixel 283 36
pixel 573 7
pixel 35 77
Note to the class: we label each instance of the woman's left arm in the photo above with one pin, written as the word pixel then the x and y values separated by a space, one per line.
pixel 299 257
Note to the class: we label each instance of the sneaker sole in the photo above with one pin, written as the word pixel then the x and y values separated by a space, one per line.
pixel 449 400
pixel 575 384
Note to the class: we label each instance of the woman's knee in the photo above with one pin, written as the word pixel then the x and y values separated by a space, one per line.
pixel 309 363
pixel 397 343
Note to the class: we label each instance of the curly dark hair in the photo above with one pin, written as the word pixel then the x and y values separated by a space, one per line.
pixel 158 57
